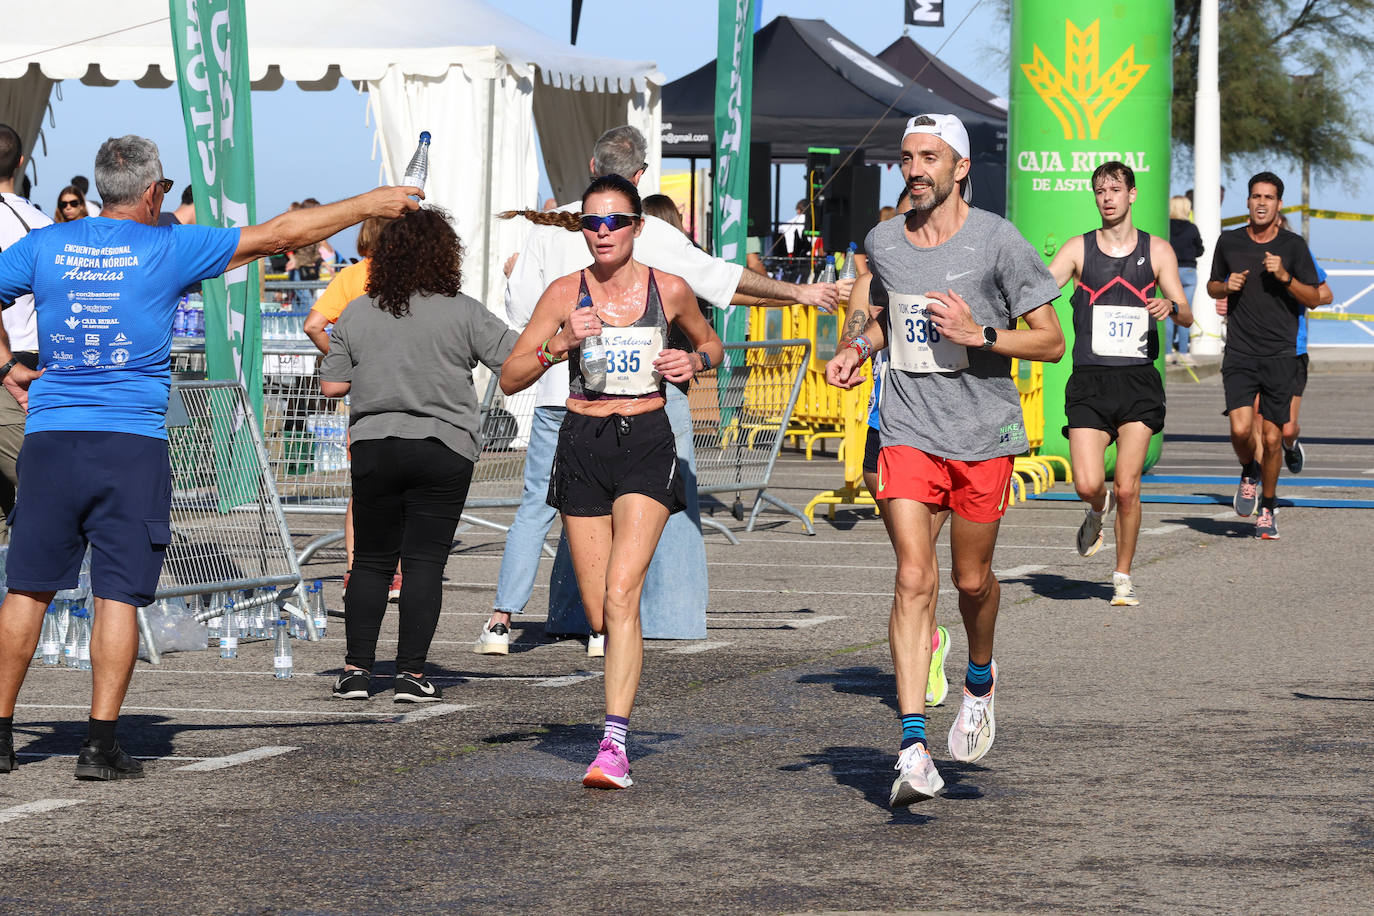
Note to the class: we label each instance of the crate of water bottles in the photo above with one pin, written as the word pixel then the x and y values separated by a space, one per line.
pixel 329 433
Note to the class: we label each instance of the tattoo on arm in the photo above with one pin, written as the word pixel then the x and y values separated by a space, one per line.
pixel 858 320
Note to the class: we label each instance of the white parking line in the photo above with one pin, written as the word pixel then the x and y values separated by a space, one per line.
pixel 796 623
pixel 428 712
pixel 706 646
pixel 569 679
pixel 1016 572
pixel 1164 529
pixel 220 763
pixel 36 807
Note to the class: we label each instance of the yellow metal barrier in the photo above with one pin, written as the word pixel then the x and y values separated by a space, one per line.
pixel 1034 473
pixel 820 410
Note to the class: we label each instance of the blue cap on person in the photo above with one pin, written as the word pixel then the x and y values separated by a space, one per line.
pixel 948 128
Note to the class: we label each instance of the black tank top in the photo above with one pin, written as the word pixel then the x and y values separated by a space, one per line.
pixel 653 317
pixel 1112 281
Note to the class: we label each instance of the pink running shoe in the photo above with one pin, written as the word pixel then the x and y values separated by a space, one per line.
pixel 610 769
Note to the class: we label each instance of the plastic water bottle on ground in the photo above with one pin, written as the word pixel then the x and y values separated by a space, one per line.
pixel 83 640
pixel 593 354
pixel 50 641
pixel 72 637
pixel 215 625
pixel 418 169
pixel 281 650
pixel 317 610
pixel 229 640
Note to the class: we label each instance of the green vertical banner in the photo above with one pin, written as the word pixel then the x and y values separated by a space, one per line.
pixel 1090 82
pixel 734 109
pixel 210 41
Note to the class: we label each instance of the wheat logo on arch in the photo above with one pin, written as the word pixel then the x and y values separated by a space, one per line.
pixel 1083 96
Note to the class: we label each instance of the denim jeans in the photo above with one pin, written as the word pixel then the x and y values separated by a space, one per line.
pixel 525 539
pixel 1176 337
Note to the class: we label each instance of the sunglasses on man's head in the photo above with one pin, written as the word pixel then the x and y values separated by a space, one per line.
pixel 613 221
pixel 69 203
pixel 166 183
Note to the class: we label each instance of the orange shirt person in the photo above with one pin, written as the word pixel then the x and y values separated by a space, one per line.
pixel 347 285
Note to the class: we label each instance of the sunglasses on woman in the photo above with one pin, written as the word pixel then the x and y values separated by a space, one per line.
pixel 66 204
pixel 612 221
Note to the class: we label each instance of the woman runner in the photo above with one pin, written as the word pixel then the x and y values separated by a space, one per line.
pixel 615 478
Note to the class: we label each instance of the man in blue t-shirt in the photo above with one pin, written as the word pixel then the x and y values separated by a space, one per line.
pixel 94 467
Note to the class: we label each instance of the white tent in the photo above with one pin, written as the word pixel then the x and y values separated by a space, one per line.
pixel 476 79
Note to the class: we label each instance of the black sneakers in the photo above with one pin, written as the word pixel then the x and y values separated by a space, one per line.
pixel 353 685
pixel 7 759
pixel 411 689
pixel 104 764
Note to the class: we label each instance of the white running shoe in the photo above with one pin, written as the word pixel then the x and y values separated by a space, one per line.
pixel 495 639
pixel 1123 592
pixel 596 645
pixel 971 735
pixel 919 780
pixel 1090 532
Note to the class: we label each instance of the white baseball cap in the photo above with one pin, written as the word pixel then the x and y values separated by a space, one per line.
pixel 948 128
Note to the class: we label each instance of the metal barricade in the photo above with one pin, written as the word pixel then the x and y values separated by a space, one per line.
pixel 228 530
pixel 740 416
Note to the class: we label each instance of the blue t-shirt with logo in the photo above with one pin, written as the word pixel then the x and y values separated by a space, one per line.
pixel 105 292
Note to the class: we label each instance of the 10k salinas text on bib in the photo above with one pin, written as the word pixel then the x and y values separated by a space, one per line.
pixel 917 344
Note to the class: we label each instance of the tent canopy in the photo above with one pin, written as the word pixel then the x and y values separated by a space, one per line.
pixel 468 73
pixel 814 87
pixel 915 62
pixel 305 41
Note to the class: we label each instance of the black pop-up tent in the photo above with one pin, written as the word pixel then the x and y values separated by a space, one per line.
pixel 815 88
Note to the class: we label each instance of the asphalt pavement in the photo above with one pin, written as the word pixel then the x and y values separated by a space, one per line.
pixel 1208 750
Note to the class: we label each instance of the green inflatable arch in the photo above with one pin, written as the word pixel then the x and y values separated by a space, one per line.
pixel 1090 82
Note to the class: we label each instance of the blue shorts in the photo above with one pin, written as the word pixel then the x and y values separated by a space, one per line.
pixel 111 490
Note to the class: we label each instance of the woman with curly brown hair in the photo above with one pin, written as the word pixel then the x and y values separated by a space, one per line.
pixel 615 477
pixel 405 354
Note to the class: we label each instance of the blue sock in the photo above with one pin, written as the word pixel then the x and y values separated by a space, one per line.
pixel 913 730
pixel 616 728
pixel 978 679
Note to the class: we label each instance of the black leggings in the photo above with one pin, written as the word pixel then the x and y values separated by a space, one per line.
pixel 408 496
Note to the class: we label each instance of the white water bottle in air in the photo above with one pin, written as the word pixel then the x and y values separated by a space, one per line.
pixel 418 170
pixel 593 353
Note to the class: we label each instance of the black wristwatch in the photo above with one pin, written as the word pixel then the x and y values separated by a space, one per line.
pixel 705 361
pixel 1173 309
pixel 5 369
pixel 989 337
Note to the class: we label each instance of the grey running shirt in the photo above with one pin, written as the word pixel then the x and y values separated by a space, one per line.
pixel 973 413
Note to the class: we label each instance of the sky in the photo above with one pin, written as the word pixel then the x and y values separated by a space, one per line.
pixel 318 144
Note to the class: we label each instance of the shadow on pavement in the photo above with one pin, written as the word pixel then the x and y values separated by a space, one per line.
pixel 1312 696
pixel 866 681
pixel 147 736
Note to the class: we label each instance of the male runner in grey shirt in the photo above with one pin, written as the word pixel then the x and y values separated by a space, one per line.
pixel 951 418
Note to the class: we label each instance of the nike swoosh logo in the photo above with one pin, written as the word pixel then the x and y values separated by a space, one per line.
pixel 950 277
pixel 426 689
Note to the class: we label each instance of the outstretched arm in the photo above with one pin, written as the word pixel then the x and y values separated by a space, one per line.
pixel 298 228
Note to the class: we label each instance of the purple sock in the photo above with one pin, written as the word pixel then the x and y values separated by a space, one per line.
pixel 616 727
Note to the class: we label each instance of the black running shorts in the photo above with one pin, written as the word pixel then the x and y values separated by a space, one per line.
pixel 1273 378
pixel 1107 398
pixel 872 446
pixel 600 459
pixel 1302 376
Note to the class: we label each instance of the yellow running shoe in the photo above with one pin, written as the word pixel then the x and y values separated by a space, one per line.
pixel 937 685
